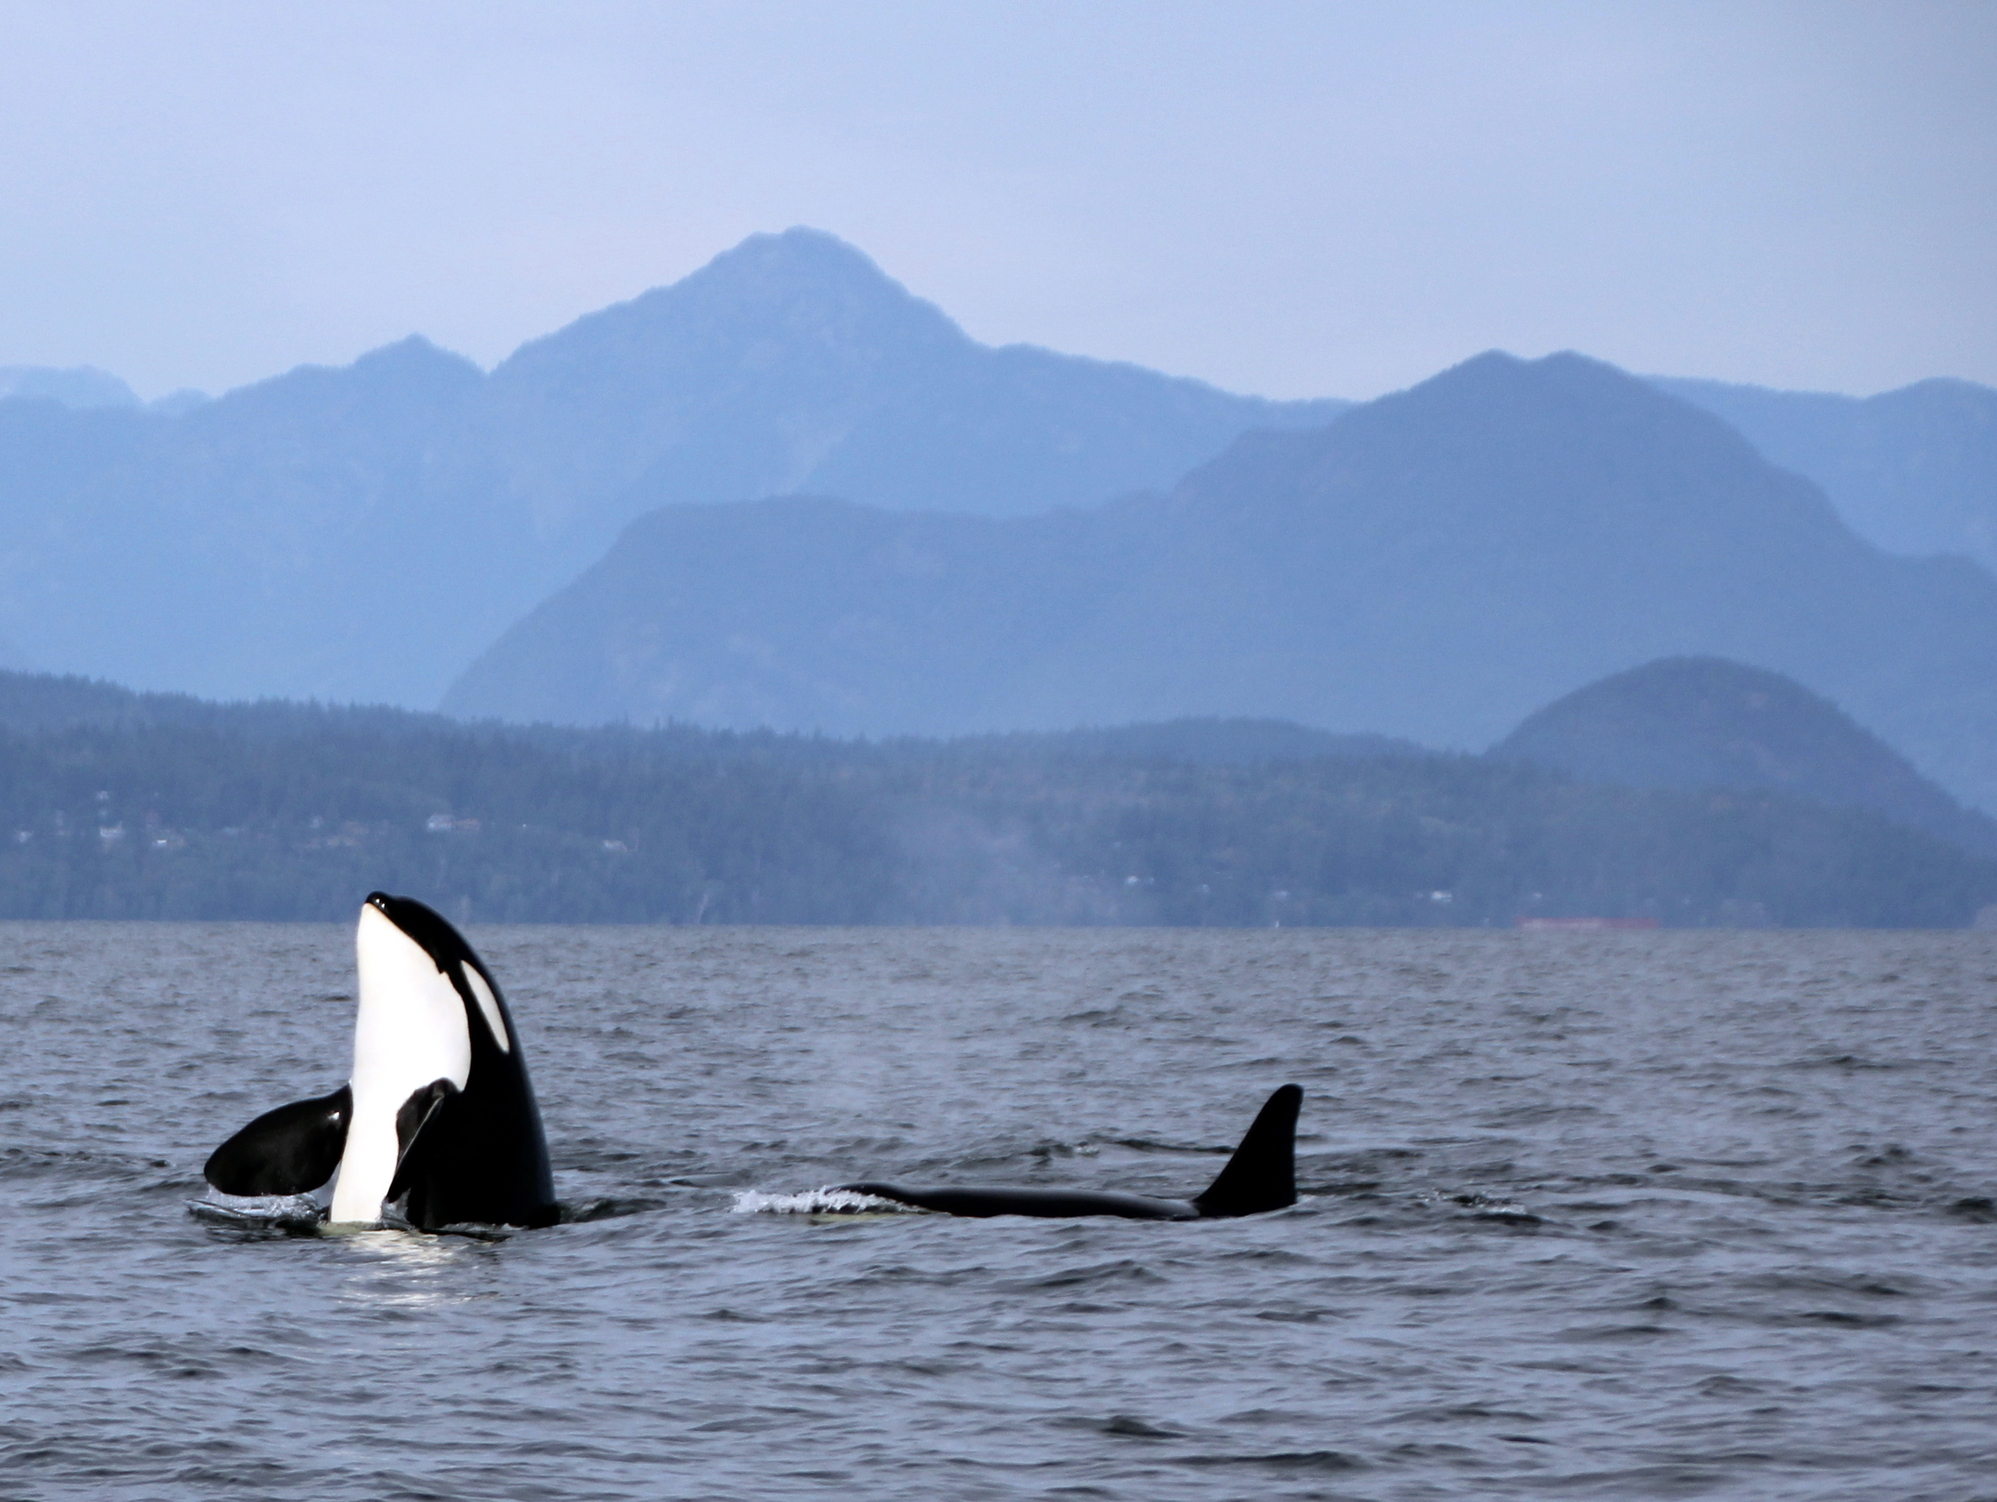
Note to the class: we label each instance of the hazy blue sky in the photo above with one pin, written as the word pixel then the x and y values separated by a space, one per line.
pixel 1290 199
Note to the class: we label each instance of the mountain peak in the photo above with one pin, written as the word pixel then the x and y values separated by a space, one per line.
pixel 1549 445
pixel 1565 373
pixel 411 374
pixel 791 363
pixel 414 354
pixel 811 281
pixel 1499 407
pixel 801 251
pixel 78 387
pixel 800 287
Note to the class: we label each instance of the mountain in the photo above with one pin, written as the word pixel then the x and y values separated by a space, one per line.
pixel 291 537
pixel 790 364
pixel 1704 722
pixel 1433 565
pixel 1913 470
pixel 80 387
pixel 361 533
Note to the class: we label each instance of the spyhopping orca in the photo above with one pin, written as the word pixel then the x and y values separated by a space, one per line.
pixel 437 1125
pixel 1260 1176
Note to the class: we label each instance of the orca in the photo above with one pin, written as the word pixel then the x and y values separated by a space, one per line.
pixel 437 1126
pixel 1261 1176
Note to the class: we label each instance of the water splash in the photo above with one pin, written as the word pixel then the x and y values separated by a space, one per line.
pixel 826 1201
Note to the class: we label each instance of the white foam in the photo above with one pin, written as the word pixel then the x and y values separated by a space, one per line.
pixel 826 1201
pixel 1479 1204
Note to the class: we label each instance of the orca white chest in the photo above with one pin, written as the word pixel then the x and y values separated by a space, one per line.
pixel 411 1031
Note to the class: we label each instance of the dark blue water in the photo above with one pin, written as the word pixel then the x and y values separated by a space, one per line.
pixel 1585 1215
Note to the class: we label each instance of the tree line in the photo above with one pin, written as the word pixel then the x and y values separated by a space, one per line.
pixel 292 812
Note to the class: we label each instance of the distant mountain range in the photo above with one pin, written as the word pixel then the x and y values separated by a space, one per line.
pixel 362 533
pixel 924 534
pixel 1432 565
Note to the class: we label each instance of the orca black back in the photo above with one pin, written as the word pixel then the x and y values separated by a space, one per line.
pixel 1260 1176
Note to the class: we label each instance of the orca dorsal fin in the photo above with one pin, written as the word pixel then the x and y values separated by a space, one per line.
pixel 292 1150
pixel 1262 1174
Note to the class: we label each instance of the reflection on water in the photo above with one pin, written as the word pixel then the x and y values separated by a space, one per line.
pixel 398 1269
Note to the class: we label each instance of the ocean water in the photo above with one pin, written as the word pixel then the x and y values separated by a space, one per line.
pixel 1614 1215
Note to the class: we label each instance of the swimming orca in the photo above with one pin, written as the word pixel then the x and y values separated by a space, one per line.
pixel 437 1125
pixel 1260 1176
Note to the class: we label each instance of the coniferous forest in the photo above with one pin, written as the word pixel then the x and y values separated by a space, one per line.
pixel 114 805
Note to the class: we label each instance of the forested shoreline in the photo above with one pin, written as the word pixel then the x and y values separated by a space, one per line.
pixel 157 808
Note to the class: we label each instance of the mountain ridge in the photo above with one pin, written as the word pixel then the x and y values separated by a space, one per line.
pixel 846 384
pixel 1432 565
pixel 362 532
pixel 1913 470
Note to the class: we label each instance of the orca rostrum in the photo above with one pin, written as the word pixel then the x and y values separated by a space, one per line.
pixel 1262 1175
pixel 437 1125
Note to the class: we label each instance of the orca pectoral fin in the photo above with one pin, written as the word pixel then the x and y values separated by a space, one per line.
pixel 1262 1174
pixel 421 1110
pixel 292 1150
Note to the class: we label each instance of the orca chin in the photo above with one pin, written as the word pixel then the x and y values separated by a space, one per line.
pixel 437 1125
pixel 1261 1176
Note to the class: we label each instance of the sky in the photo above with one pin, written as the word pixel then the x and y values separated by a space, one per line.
pixel 1287 199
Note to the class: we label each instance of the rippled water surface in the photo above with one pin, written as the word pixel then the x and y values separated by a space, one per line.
pixel 1584 1215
